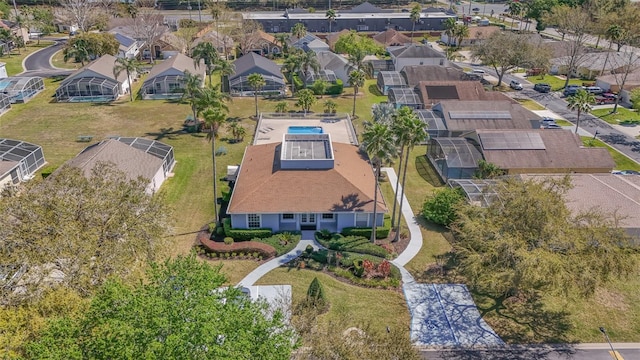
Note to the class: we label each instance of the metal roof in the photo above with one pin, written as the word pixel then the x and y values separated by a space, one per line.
pixel 431 119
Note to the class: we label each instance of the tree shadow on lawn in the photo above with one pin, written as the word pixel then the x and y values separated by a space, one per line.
pixel 373 89
pixel 427 171
pixel 168 133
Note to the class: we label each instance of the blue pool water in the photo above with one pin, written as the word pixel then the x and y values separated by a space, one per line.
pixel 304 130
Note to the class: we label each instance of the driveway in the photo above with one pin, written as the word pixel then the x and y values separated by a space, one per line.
pixel 39 62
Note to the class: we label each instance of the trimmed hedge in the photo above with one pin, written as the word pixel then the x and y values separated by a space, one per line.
pixel 381 231
pixel 298 83
pixel 357 244
pixel 335 89
pixel 265 250
pixel 276 241
pixel 244 234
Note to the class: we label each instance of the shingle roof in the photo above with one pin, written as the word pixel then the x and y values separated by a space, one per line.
pixel 133 162
pixel 563 152
pixel 416 73
pixel 104 66
pixel 263 187
pixel 179 62
pixel 334 36
pixel 391 37
pixel 6 166
pixel 124 40
pixel 251 60
pixel 416 51
pixel 481 32
pixel 333 61
pixel 520 117
pixel 433 92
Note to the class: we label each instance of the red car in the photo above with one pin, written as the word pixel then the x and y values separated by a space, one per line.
pixel 606 98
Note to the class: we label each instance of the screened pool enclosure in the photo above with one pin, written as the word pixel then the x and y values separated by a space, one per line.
pixel 29 157
pixel 21 88
pixel 87 89
pixel 239 86
pixel 454 158
pixel 163 87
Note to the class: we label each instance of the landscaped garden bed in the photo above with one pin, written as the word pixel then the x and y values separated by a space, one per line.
pixel 358 244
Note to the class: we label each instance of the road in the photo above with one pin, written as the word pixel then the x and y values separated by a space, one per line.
pixel 544 352
pixel 39 63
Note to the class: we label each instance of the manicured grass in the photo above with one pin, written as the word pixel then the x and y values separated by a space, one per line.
pixel 58 61
pixel 556 82
pixel 621 114
pixel 622 162
pixel 562 122
pixel 14 60
pixel 530 104
pixel 351 304
pixel 235 270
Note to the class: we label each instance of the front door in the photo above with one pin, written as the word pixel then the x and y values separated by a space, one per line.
pixel 307 221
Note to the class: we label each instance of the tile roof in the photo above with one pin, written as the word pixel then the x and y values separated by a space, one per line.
pixel 391 37
pixel 179 62
pixel 521 118
pixel 252 60
pixel 133 162
pixel 563 152
pixel 263 187
pixel 413 51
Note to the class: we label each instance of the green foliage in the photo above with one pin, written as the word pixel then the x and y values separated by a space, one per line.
pixel 5 10
pixel 381 231
pixel 529 242
pixel 306 99
pixel 187 23
pixel 324 234
pixel 635 98
pixel 358 267
pixel 308 249
pixel 440 206
pixel 315 295
pixel 357 244
pixel 90 228
pixel 186 315
pixel 244 234
pixel 487 170
pixel 228 240
pixel 352 43
pixel 298 83
pixel 320 87
pixel 335 89
pixel 283 242
pixel 97 44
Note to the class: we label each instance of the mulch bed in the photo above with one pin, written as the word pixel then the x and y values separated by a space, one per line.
pixel 267 251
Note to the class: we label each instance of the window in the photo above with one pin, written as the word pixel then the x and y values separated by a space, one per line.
pixel 327 216
pixel 287 216
pixel 362 220
pixel 253 221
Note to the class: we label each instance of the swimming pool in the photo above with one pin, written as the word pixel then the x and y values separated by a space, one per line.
pixel 305 130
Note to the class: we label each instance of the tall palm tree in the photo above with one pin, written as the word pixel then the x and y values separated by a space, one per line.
pixel 449 25
pixel 377 140
pixel 331 16
pixel 257 82
pixel 356 79
pixel 216 10
pixel 207 53
pixel 308 60
pixel 293 64
pixel 129 66
pixel 383 112
pixel 214 117
pixel 581 103
pixel 400 126
pixel 356 57
pixel 416 133
pixel 226 68
pixel 416 9
pixel 514 8
pixel 613 33
pixel 281 39
pixel 190 92
pixel 299 30
pixel 460 32
pixel 208 98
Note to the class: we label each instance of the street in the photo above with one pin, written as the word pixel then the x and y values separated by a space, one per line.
pixel 39 63
pixel 540 352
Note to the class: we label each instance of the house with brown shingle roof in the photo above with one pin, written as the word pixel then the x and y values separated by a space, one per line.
pixel 136 157
pixel 413 74
pixel 166 80
pixel 305 182
pixel 95 82
pixel 432 92
pixel 391 37
pixel 332 38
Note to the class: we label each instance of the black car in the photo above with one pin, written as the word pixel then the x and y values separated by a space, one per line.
pixel 542 87
pixel 476 9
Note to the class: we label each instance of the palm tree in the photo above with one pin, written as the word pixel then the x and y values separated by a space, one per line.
pixel 211 98
pixel 331 16
pixel 281 107
pixel 356 79
pixel 256 81
pixel 460 32
pixel 226 68
pixel 449 25
pixel 383 113
pixel 416 9
pixel 416 133
pixel 306 99
pixel 281 39
pixel 79 51
pixel 214 117
pixel 330 106
pixel 207 53
pixel 292 64
pixel 190 92
pixel 308 60
pixel 216 10
pixel 130 66
pixel 377 140
pixel 356 58
pixel 400 126
pixel 580 102
pixel 240 133
pixel 514 9
pixel 299 30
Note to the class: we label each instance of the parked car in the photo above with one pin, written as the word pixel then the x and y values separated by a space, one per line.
pixel 515 85
pixel 595 90
pixel 549 123
pixel 625 172
pixel 572 90
pixel 542 87
pixel 602 100
pixel 476 9
pixel 478 71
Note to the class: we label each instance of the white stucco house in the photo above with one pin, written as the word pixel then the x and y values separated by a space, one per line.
pixel 95 82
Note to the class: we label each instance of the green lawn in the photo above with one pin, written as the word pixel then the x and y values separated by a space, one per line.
pixel 351 304
pixel 622 161
pixel 530 104
pixel 556 82
pixel 562 122
pixel 58 61
pixel 14 60
pixel 621 114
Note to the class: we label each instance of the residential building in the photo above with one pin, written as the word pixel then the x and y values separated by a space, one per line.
pixel 433 92
pixel 129 47
pixel 19 161
pixel 391 37
pixel 591 65
pixel 414 74
pixel 611 83
pixel 136 157
pixel 252 63
pixel 389 80
pixel 166 80
pixel 94 83
pixel 336 63
pixel 415 54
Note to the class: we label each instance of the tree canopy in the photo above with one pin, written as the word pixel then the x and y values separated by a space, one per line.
pixel 181 312
pixel 352 43
pixel 76 231
pixel 97 44
pixel 527 241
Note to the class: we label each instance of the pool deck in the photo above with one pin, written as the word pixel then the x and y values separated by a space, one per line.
pixel 271 129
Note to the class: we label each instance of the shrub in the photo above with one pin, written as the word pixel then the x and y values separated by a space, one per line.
pixel 227 255
pixel 315 294
pixel 368 267
pixel 335 89
pixel 324 234
pixel 219 230
pixel 244 234
pixel 634 98
pixel 308 249
pixel 212 227
pixel 283 242
pixel 358 268
pixel 440 206
pixel 228 240
pixel 255 254
pixel 221 151
pixel 381 231
pixel 234 254
pixel 298 83
pixel 384 268
pixel 357 244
